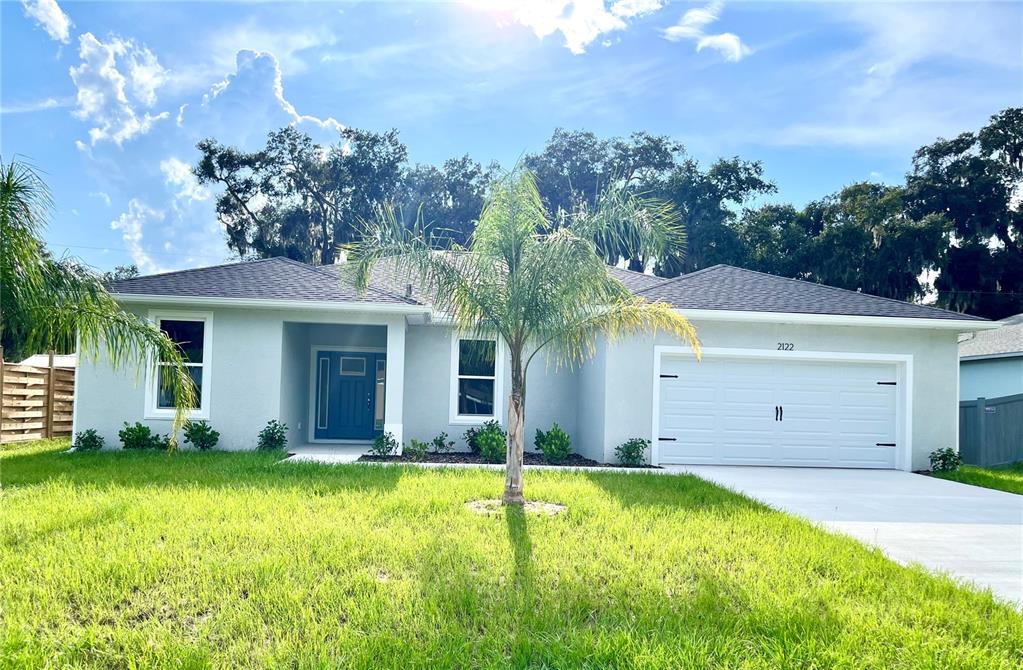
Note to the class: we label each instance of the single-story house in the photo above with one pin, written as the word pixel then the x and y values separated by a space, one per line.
pixel 793 373
pixel 991 362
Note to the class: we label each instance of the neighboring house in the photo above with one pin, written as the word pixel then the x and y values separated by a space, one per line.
pixel 991 363
pixel 793 373
pixel 43 360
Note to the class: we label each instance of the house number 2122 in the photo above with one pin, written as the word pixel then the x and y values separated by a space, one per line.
pixel 786 346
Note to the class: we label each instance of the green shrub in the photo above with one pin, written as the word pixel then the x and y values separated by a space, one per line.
pixel 492 442
pixel 417 450
pixel 140 436
pixel 632 453
pixel 201 435
pixel 470 436
pixel 555 445
pixel 384 444
pixel 88 440
pixel 442 445
pixel 945 460
pixel 274 436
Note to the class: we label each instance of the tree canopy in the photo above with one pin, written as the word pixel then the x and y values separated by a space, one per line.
pixel 951 231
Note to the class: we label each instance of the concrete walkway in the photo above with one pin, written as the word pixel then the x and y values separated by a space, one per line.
pixel 971 533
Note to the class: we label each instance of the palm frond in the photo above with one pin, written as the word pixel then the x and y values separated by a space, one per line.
pixel 625 222
pixel 52 303
pixel 576 341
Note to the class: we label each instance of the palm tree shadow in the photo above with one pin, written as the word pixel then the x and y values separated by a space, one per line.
pixel 522 546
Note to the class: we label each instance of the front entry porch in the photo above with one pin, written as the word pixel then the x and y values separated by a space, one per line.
pixel 341 383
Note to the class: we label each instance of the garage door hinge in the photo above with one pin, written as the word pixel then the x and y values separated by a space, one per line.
pixel 667 439
pixel 885 444
pixel 886 383
pixel 669 376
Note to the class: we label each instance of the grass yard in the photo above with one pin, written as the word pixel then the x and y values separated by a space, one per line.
pixel 197 560
pixel 1007 478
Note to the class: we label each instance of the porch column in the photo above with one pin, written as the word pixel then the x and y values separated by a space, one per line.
pixel 394 394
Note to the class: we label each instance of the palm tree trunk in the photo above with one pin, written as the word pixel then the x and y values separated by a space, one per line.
pixel 516 432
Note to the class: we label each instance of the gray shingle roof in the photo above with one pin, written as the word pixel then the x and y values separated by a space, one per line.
pixel 635 281
pixel 724 287
pixel 1004 341
pixel 267 279
pixel 720 287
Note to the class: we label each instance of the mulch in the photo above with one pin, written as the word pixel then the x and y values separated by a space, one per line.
pixel 465 457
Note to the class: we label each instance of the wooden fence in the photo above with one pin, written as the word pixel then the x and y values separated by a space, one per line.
pixel 991 430
pixel 36 402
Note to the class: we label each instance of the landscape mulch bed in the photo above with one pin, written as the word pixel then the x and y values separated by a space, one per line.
pixel 529 458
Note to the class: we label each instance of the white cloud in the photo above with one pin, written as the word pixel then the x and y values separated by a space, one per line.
pixel 102 196
pixel 131 225
pixel 900 36
pixel 50 17
pixel 103 89
pixel 902 84
pixel 178 173
pixel 38 106
pixel 250 102
pixel 145 74
pixel 288 43
pixel 580 22
pixel 727 44
pixel 693 26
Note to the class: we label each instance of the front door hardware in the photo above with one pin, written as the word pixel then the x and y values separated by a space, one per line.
pixel 669 376
pixel 885 444
pixel 886 383
pixel 667 439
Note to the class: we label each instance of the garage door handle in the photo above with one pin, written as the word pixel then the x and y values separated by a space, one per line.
pixel 781 412
pixel 775 412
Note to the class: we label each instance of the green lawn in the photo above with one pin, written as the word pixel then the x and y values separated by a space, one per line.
pixel 1007 478
pixel 199 560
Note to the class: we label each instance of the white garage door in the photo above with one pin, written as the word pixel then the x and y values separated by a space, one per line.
pixel 750 411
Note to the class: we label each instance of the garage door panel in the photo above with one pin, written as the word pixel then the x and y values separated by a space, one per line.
pixel 723 411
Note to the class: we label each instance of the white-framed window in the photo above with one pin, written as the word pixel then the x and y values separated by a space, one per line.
pixel 476 379
pixel 192 332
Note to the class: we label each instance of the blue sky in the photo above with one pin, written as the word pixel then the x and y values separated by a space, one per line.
pixel 109 99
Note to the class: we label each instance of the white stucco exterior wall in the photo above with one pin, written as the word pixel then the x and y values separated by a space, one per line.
pixel 245 381
pixel 551 393
pixel 256 374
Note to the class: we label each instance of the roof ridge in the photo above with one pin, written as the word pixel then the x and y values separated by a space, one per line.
pixel 641 274
pixel 242 261
pixel 872 295
pixel 321 270
pixel 674 280
pixel 823 286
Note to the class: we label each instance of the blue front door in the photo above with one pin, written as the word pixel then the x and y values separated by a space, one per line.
pixel 349 386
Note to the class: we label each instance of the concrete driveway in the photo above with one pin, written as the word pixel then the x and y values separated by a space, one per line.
pixel 971 533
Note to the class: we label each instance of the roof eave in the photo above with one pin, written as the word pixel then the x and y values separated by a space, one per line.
pixel 260 303
pixel 986 357
pixel 960 325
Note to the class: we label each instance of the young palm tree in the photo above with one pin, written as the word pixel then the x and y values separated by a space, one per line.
pixel 47 303
pixel 535 286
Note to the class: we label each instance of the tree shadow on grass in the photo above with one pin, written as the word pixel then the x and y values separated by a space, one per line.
pixel 673 491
